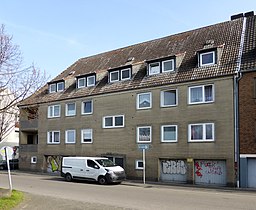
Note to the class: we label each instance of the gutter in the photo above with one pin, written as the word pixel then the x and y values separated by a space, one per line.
pixel 237 77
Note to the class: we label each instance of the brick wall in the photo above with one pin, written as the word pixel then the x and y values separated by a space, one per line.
pixel 247 116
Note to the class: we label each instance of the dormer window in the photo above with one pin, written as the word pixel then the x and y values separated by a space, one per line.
pixel 86 81
pixel 161 66
pixel 56 87
pixel 207 58
pixel 114 76
pixel 120 75
pixel 154 68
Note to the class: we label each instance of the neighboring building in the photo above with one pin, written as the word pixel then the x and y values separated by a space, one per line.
pixel 175 94
pixel 247 108
pixel 9 126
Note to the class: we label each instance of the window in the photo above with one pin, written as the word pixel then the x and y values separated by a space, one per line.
pixel 90 81
pixel 154 68
pixel 207 58
pixel 53 111
pixel 121 74
pixel 70 136
pixel 70 109
pixel 53 137
pixel 113 121
pixel 168 98
pixel 86 136
pixel 81 82
pixel 144 134
pixel 86 81
pixel 144 100
pixel 169 133
pixel 87 107
pixel 125 74
pixel 201 94
pixel 52 88
pixel 139 164
pixel 161 66
pixel 33 159
pixel 56 87
pixel 60 86
pixel 114 76
pixel 168 65
pixel 201 132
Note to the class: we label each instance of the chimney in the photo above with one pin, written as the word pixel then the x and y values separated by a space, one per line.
pixel 234 17
pixel 249 14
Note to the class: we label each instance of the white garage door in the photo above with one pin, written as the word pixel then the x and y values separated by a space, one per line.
pixel 210 172
pixel 252 173
pixel 173 171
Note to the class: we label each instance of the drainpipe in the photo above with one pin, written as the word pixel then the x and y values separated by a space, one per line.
pixel 237 77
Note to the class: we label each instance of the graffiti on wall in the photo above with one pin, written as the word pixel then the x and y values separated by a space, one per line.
pixel 208 167
pixel 53 163
pixel 174 167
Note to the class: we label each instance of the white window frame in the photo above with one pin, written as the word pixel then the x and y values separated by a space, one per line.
pixel 52 88
pixel 90 131
pixel 165 61
pixel 66 137
pixel 137 165
pixel 60 89
pixel 53 107
pixel 129 70
pixel 113 121
pixel 150 68
pixel 162 133
pixel 138 132
pixel 138 100
pixel 110 76
pixel 67 111
pixel 78 84
pixel 82 108
pixel 203 94
pixel 204 132
pixel 162 98
pixel 87 81
pixel 205 53
pixel 49 141
pixel 33 159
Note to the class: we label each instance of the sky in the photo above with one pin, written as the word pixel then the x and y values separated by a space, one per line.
pixel 54 34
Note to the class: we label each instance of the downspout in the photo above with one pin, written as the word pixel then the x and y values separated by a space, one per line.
pixel 237 77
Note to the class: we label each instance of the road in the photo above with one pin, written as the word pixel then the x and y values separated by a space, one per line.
pixel 52 192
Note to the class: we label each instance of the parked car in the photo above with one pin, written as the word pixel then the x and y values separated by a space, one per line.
pixel 97 169
pixel 14 164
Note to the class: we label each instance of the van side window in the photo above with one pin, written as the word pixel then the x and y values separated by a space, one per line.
pixel 92 164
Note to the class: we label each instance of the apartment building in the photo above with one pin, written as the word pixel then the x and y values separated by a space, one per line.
pixel 175 94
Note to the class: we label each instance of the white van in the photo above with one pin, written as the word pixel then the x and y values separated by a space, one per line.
pixel 98 169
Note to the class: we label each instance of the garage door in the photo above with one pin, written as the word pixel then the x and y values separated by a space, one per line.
pixel 210 172
pixel 252 173
pixel 173 171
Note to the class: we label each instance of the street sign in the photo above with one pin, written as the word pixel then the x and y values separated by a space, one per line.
pixel 9 152
pixel 143 146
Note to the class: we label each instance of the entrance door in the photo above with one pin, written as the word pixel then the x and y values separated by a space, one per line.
pixel 252 173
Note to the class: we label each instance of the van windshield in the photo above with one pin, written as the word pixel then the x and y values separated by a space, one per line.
pixel 105 162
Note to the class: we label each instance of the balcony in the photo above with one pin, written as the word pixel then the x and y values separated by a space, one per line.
pixel 29 125
pixel 28 148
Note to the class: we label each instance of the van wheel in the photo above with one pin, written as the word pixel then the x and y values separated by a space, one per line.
pixel 102 180
pixel 68 177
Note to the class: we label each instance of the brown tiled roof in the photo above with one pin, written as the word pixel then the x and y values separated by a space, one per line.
pixel 249 50
pixel 225 36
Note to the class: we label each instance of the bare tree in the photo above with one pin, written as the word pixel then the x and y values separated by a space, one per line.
pixel 16 82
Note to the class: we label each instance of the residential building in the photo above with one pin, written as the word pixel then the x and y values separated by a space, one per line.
pixel 247 108
pixel 175 94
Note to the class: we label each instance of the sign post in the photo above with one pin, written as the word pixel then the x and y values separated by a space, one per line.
pixel 144 147
pixel 8 151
